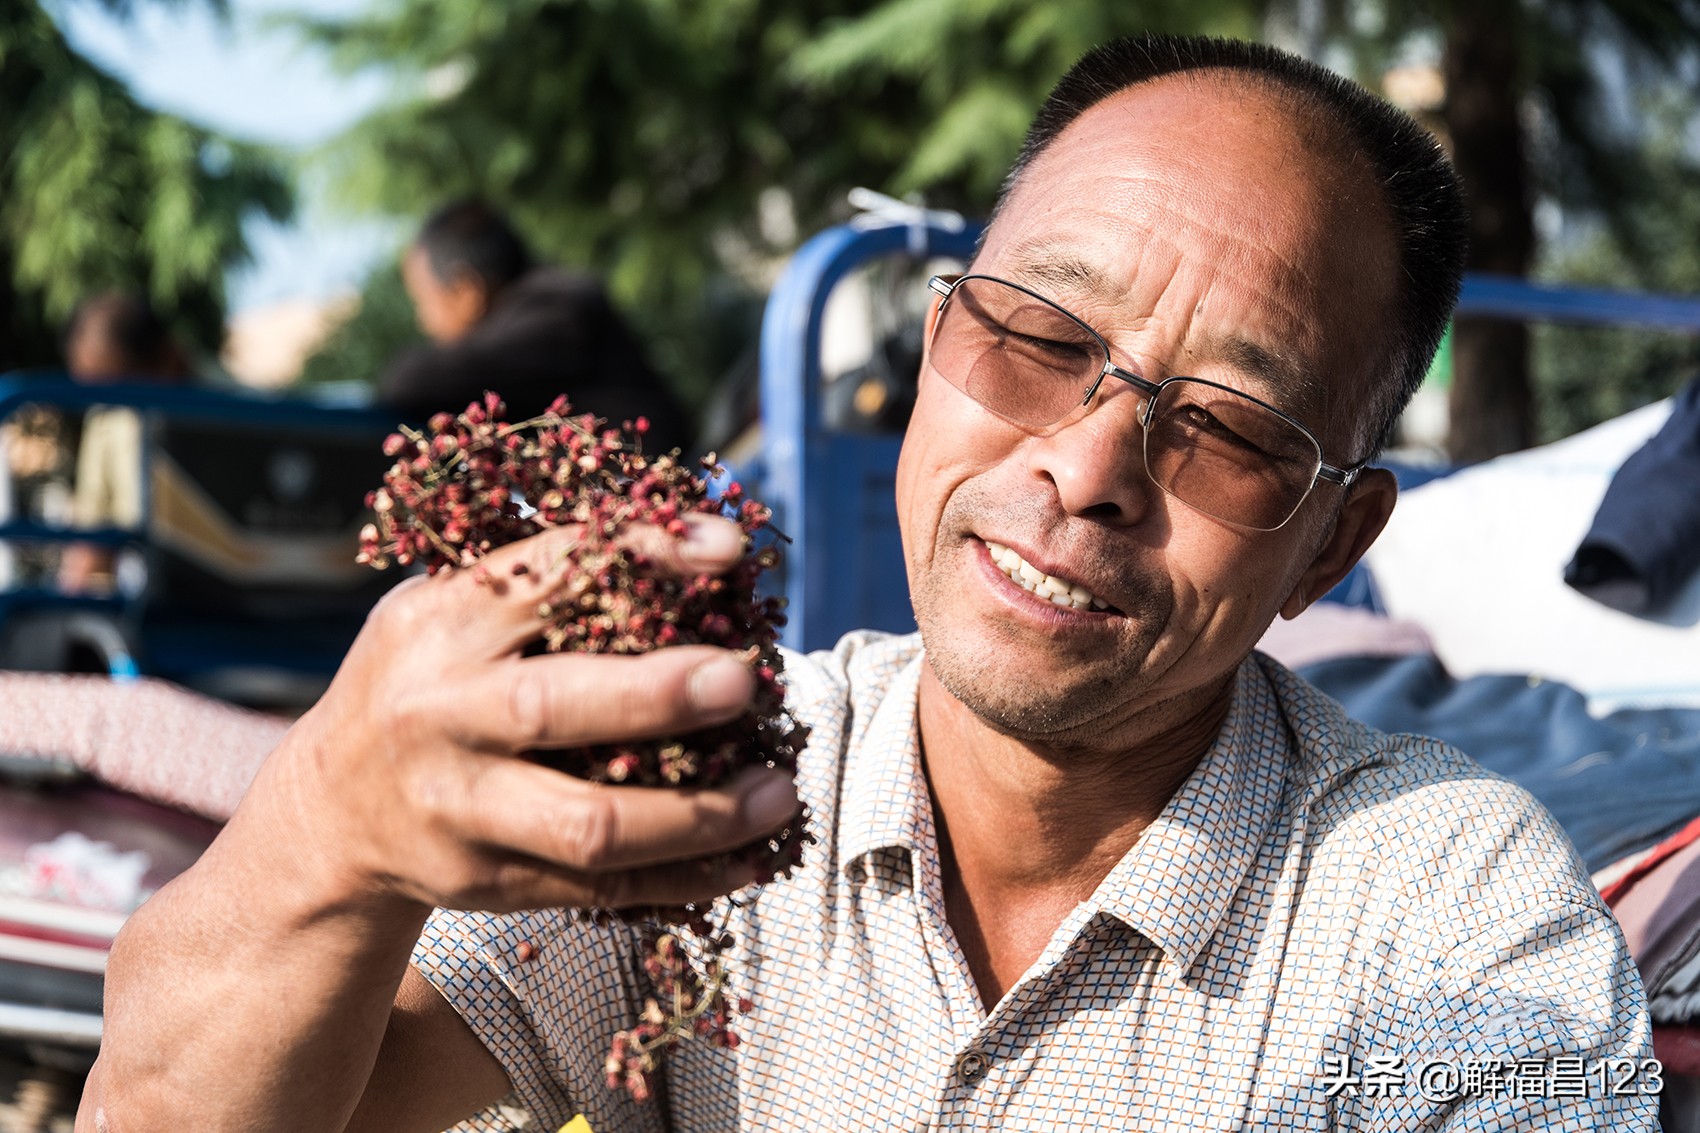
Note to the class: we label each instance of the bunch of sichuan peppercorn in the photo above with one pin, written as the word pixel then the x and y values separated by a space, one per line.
pixel 472 483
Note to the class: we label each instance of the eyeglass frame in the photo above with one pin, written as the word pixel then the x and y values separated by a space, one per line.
pixel 944 285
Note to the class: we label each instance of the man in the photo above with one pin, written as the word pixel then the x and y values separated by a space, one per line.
pixel 1083 862
pixel 500 322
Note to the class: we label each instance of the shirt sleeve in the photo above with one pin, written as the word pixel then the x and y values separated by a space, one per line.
pixel 1534 1045
pixel 545 992
pixel 1537 1021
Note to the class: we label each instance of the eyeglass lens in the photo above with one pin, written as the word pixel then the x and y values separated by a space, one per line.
pixel 1214 449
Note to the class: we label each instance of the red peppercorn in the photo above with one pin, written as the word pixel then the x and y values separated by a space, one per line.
pixel 450 499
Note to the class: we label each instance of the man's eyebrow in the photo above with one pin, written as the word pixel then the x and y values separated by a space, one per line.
pixel 1283 380
pixel 1045 265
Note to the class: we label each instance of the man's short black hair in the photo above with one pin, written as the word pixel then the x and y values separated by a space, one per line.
pixel 1422 191
pixel 470 235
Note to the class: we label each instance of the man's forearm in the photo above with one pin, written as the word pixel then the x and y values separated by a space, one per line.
pixel 258 991
pixel 266 1015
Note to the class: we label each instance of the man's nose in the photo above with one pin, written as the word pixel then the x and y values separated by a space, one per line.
pixel 1095 458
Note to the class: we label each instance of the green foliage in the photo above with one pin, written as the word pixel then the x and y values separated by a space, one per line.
pixel 636 138
pixel 974 71
pixel 630 138
pixel 382 327
pixel 98 192
pixel 1590 374
pixel 1580 155
pixel 1587 375
pixel 1531 116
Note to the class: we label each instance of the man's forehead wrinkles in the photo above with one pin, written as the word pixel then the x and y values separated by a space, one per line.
pixel 1062 271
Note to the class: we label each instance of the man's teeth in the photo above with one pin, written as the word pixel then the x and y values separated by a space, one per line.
pixel 1030 578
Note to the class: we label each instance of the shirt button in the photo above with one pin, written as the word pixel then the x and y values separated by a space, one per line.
pixel 971 1067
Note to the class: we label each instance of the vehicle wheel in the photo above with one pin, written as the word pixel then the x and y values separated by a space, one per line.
pixel 64 643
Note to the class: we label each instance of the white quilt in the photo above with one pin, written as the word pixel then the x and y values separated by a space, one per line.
pixel 1477 559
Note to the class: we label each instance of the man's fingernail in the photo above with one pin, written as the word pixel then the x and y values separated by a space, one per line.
pixel 710 544
pixel 771 802
pixel 719 685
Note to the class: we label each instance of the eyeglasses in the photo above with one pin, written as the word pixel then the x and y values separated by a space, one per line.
pixel 1215 449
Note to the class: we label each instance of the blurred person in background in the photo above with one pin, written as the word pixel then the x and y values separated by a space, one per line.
pixel 113 338
pixel 500 322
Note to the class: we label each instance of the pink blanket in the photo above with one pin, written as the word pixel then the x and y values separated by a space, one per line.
pixel 146 737
pixel 1328 630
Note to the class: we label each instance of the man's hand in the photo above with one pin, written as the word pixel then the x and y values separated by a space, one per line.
pixel 407 773
pixel 405 788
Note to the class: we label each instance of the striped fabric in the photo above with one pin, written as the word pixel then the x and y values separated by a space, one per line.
pixel 1320 918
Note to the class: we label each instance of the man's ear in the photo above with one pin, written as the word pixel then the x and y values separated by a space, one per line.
pixel 931 321
pixel 1369 502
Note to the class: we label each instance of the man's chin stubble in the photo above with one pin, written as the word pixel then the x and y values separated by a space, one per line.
pixel 993 681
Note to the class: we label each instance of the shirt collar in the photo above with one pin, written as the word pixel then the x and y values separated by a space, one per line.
pixel 1176 883
pixel 885 790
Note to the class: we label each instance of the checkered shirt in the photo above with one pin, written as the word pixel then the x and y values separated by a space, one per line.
pixel 1319 917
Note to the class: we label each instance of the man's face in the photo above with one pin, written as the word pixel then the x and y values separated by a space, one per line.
pixel 446 310
pixel 1183 219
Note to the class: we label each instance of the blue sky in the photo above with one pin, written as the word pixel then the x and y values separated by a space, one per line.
pixel 258 82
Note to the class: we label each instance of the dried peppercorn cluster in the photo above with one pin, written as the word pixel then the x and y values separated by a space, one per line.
pixel 471 483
